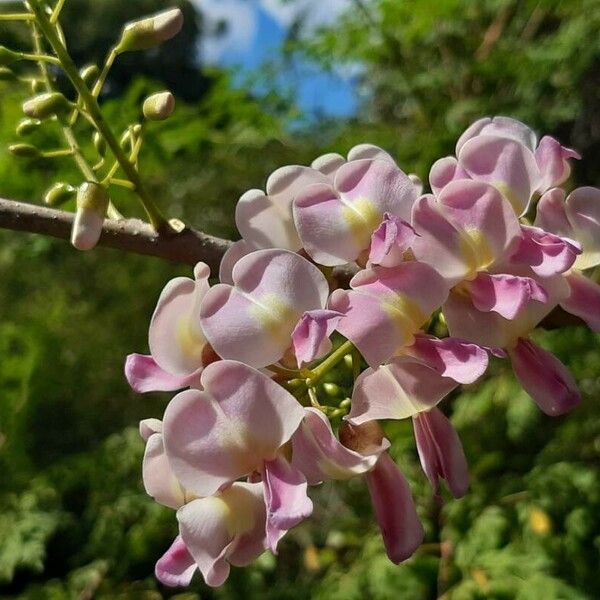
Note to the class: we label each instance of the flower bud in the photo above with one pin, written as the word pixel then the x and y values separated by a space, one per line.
pixel 24 150
pixel 8 57
pixel 159 107
pixel 46 105
pixel 58 194
pixel 99 144
pixel 89 74
pixel 92 203
pixel 151 31
pixel 7 74
pixel 27 126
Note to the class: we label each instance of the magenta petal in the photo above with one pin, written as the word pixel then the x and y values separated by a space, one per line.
pixel 395 510
pixel 286 499
pixel 144 375
pixel 544 378
pixel 320 455
pixel 584 299
pixel 552 160
pixel 310 338
pixel 459 360
pixel 177 566
pixel 507 295
pixel 390 241
pixel 440 451
pixel 546 253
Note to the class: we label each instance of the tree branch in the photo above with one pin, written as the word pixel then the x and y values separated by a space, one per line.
pixel 188 247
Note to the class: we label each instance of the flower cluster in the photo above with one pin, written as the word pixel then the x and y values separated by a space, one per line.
pixel 487 255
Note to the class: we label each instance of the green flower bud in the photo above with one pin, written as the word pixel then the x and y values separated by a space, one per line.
pixel 27 126
pixel 89 74
pixel 58 194
pixel 99 144
pixel 24 150
pixel 92 204
pixel 8 57
pixel 159 107
pixel 331 389
pixel 137 129
pixel 46 105
pixel 151 31
pixel 7 74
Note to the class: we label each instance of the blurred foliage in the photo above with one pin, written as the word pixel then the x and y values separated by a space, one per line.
pixel 74 519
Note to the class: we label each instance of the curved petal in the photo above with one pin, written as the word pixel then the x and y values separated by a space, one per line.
pixel 240 419
pixel 400 389
pixel 395 510
pixel 236 251
pixel 177 566
pixel 504 163
pixel 443 171
pixel 583 210
pixel 544 378
pixel 390 241
pixel 551 213
pixel 319 454
pixel 144 375
pixel 160 482
pixel 461 361
pixel 328 164
pixel 310 338
pixel 176 339
pixel 552 160
pixel 504 127
pixel 253 320
pixel 440 452
pixel 583 300
pixel 368 151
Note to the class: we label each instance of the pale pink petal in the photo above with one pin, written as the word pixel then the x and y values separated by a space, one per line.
pixel 144 375
pixel 240 419
pixel 253 320
pixel 236 251
pixel 507 295
pixel 552 160
pixel 149 427
pixel 265 220
pixel 177 566
pixel 504 163
pixel 504 127
pixel 546 253
pixel 583 210
pixel 213 527
pixel 544 378
pixel 176 339
pixel 584 299
pixel 286 498
pixel 310 338
pixel 552 214
pixel 417 183
pixel 395 510
pixel 160 482
pixel 459 360
pixel 328 164
pixel 320 456
pixel 390 241
pixel 443 172
pixel 440 452
pixel 397 390
pixel 368 151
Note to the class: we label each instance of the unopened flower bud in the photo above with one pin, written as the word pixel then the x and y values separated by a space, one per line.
pixel 24 150
pixel 92 203
pixel 159 107
pixel 7 74
pixel 58 194
pixel 8 57
pixel 151 31
pixel 46 105
pixel 89 74
pixel 99 144
pixel 27 126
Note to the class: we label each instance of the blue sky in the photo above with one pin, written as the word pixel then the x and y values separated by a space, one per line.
pixel 256 29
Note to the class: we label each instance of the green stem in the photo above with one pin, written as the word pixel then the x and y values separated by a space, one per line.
pixel 155 216
pixel 57 153
pixel 17 17
pixel 56 12
pixel 108 63
pixel 39 58
pixel 333 359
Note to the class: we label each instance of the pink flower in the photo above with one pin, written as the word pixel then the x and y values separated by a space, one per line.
pixel 178 347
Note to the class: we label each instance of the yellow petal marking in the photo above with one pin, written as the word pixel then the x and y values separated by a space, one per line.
pixel 275 316
pixel 476 251
pixel 190 339
pixel 362 218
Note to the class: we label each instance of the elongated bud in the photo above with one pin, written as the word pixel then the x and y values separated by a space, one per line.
pixel 89 74
pixel 159 106
pixel 46 105
pixel 7 74
pixel 8 57
pixel 58 194
pixel 24 150
pixel 99 144
pixel 151 31
pixel 27 126
pixel 92 203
